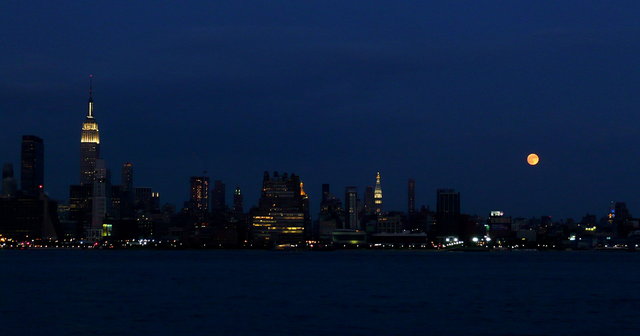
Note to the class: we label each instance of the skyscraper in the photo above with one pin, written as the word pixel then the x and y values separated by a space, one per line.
pixel 351 208
pixel 89 143
pixel 411 197
pixel 32 168
pixel 126 191
pixel 368 200
pixel 199 199
pixel 238 207
pixel 282 215
pixel 9 187
pixel 101 202
pixel 127 176
pixel 448 211
pixel 218 199
pixel 377 195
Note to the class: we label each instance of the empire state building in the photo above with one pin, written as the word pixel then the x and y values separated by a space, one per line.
pixel 89 143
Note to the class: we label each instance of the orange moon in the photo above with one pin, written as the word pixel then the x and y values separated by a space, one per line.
pixel 533 159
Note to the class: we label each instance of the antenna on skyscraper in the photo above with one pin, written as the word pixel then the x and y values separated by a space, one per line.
pixel 91 87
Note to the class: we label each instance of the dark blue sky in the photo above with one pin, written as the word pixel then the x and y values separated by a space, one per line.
pixel 453 94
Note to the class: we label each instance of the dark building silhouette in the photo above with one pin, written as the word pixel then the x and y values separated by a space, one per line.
pixel 125 195
pixel 368 200
pixel 331 216
pixel 32 167
pixel 28 217
pixel 238 206
pixel 89 144
pixel 282 215
pixel 448 212
pixel 9 185
pixel 218 199
pixel 411 197
pixel 351 208
pixel 325 193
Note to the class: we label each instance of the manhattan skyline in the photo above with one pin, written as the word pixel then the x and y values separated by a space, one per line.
pixel 340 102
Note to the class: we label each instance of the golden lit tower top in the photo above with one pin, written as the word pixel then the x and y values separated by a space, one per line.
pixel 89 143
pixel 90 132
pixel 377 195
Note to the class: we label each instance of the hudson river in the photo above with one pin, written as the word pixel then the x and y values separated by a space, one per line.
pixel 131 292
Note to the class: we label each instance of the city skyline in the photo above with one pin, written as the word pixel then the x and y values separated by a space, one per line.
pixel 452 95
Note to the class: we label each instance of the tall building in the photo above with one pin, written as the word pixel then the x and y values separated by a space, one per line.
pixel 199 199
pixel 238 207
pixel 368 201
pixel 411 197
pixel 32 168
pixel 282 215
pixel 218 199
pixel 9 187
pixel 377 195
pixel 351 208
pixel 89 143
pixel 447 211
pixel 126 191
pixel 127 176
pixel 101 202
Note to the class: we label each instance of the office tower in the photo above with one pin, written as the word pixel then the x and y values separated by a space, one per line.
pixel 351 208
pixel 127 176
pixel 89 143
pixel 411 189
pixel 28 217
pixel 368 200
pixel 9 187
pixel 448 211
pixel 101 203
pixel 199 200
pixel 218 199
pixel 282 215
pixel 144 199
pixel 377 195
pixel 330 217
pixel 32 168
pixel 126 191
pixel 238 207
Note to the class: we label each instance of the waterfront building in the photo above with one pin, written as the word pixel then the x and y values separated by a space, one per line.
pixel 447 212
pixel 282 215
pixel 32 165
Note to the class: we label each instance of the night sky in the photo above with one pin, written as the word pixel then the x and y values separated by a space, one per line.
pixel 453 94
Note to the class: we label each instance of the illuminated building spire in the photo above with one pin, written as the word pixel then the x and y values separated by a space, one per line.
pixel 89 142
pixel 90 112
pixel 377 195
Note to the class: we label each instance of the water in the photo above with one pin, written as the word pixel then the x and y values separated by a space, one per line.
pixel 83 292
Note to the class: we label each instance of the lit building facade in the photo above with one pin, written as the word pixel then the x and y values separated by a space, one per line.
pixel 377 195
pixel 282 215
pixel 199 200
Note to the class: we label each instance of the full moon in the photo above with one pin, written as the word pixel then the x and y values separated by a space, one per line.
pixel 533 159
